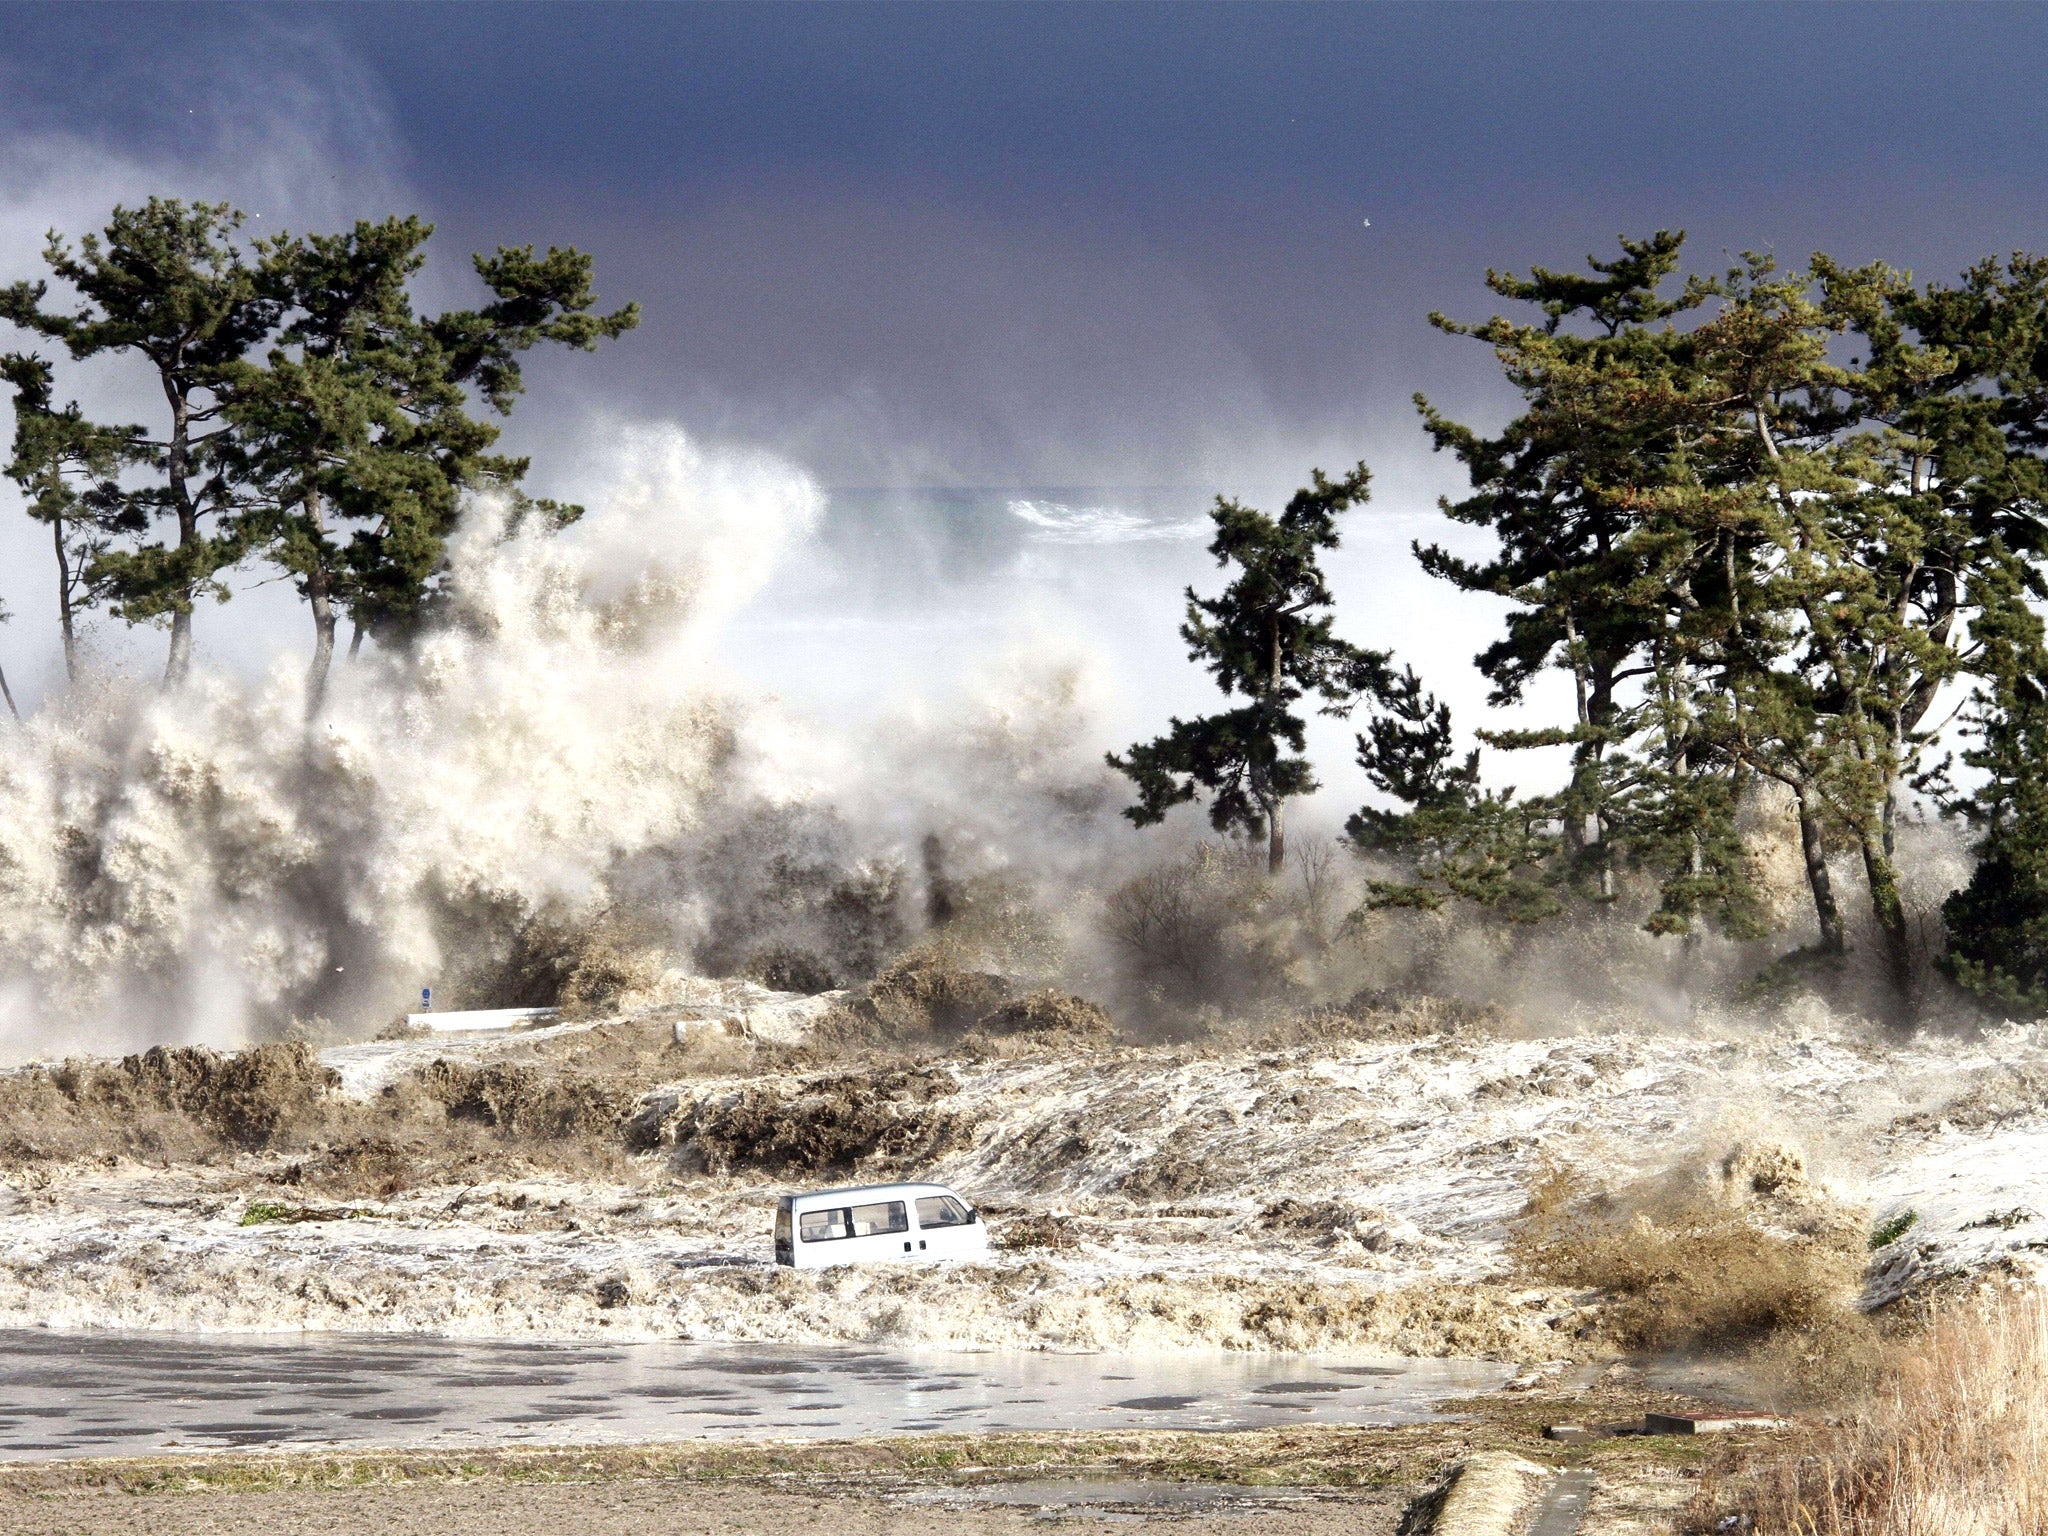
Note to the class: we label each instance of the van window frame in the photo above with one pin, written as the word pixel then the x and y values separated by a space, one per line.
pixel 901 1218
pixel 841 1236
pixel 901 1207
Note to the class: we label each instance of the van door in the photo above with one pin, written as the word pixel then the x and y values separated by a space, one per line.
pixel 881 1230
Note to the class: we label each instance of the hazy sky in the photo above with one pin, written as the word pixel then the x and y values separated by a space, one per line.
pixel 1013 246
pixel 990 244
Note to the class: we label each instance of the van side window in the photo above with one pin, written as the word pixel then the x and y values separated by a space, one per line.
pixel 940 1211
pixel 821 1226
pixel 882 1217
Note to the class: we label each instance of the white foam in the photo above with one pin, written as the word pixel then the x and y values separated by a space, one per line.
pixel 1055 523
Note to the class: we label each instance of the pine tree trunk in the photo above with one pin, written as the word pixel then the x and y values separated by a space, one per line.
pixel 9 692
pixel 321 600
pixel 179 666
pixel 177 462
pixel 1818 880
pixel 1889 909
pixel 1590 693
pixel 64 602
pixel 1276 826
pixel 355 640
pixel 323 643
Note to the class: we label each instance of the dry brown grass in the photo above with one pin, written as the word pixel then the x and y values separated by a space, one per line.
pixel 1954 1443
pixel 1744 1253
pixel 195 1106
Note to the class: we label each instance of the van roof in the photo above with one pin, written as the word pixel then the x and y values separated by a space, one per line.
pixel 849 1191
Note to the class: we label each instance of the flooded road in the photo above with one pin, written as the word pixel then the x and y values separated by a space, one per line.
pixel 66 1394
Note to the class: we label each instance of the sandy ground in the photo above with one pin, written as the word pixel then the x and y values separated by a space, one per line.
pixel 639 1508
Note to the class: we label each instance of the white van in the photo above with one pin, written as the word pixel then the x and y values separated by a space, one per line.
pixel 872 1223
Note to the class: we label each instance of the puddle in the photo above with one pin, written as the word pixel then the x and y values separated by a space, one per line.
pixel 110 1394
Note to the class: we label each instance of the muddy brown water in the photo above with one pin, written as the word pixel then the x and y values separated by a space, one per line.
pixel 70 1394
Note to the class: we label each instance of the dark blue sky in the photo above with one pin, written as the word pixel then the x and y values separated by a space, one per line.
pixel 993 244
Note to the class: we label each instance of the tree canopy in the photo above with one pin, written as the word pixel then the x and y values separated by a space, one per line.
pixel 314 418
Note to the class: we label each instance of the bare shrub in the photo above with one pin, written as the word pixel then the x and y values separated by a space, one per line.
pixel 1206 928
pixel 832 1123
pixel 783 896
pixel 1687 1262
pixel 924 992
pixel 555 956
pixel 1953 1442
pixel 1048 1014
pixel 531 1102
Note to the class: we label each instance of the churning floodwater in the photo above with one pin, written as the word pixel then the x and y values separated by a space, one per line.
pixel 114 1394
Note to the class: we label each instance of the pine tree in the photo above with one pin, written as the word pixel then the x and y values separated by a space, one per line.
pixel 1897 504
pixel 1269 638
pixel 1578 490
pixel 1608 393
pixel 167 282
pixel 357 425
pixel 1997 924
pixel 1459 840
pixel 69 471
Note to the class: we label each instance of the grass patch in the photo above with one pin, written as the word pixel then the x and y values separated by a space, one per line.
pixel 264 1212
pixel 1888 1232
pixel 1306 1455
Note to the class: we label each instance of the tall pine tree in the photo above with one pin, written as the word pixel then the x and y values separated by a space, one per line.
pixel 1268 638
pixel 357 425
pixel 170 283
pixel 69 471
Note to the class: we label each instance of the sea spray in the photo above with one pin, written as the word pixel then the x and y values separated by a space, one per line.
pixel 198 865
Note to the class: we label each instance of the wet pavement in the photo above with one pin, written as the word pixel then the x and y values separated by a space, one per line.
pixel 68 1394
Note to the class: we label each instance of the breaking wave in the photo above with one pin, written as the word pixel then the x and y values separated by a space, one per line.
pixel 190 867
pixel 1055 523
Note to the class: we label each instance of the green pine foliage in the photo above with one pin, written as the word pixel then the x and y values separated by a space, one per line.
pixel 316 421
pixel 170 284
pixel 1269 638
pixel 69 471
